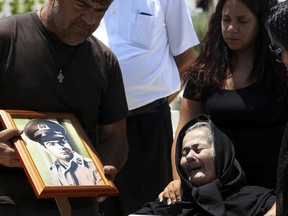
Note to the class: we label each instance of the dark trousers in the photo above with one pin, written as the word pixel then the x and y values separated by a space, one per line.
pixel 12 210
pixel 148 169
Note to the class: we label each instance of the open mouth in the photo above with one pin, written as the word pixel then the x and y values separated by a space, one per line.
pixel 195 169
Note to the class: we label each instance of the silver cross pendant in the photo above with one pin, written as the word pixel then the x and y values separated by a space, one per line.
pixel 60 77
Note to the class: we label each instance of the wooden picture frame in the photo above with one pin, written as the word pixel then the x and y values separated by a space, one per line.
pixel 42 170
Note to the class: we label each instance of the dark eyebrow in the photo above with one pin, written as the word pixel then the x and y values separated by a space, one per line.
pixel 103 2
pixel 90 6
pixel 194 145
pixel 84 3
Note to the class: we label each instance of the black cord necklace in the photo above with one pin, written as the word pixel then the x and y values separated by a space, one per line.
pixel 61 53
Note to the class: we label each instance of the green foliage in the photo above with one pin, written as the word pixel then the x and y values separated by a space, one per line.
pixel 2 4
pixel 28 5
pixel 17 6
pixel 14 5
pixel 200 22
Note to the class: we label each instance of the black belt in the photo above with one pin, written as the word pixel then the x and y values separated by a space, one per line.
pixel 148 108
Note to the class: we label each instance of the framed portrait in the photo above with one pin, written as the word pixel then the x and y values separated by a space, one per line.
pixel 57 156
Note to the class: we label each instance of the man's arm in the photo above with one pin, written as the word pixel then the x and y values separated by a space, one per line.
pixel 113 145
pixel 183 61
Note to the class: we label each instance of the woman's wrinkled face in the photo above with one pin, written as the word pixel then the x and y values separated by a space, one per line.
pixel 239 25
pixel 75 20
pixel 197 157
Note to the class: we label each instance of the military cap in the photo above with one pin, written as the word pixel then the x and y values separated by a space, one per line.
pixel 41 130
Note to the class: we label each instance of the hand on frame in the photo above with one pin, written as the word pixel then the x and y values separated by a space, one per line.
pixel 8 156
pixel 110 172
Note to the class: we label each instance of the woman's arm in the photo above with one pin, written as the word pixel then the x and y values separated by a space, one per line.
pixel 188 110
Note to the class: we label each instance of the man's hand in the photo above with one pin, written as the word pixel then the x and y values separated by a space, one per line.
pixel 272 211
pixel 110 172
pixel 8 156
pixel 172 193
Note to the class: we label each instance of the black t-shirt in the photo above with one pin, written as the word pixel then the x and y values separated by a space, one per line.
pixel 255 121
pixel 29 65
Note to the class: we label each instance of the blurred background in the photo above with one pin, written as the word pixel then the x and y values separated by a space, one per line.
pixel 200 11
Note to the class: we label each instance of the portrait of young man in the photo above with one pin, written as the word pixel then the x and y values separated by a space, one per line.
pixel 69 167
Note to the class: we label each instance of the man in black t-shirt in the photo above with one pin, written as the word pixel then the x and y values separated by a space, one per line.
pixel 50 62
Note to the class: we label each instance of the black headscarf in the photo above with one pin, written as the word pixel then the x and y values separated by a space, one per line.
pixel 227 195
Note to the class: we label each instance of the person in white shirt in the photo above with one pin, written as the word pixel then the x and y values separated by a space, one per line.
pixel 153 41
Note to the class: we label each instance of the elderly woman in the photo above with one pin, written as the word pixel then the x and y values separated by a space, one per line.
pixel 212 180
pixel 278 32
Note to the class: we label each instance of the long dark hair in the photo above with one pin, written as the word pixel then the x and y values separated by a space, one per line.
pixel 209 70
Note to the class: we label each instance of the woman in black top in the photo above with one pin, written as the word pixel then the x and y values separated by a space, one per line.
pixel 234 80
